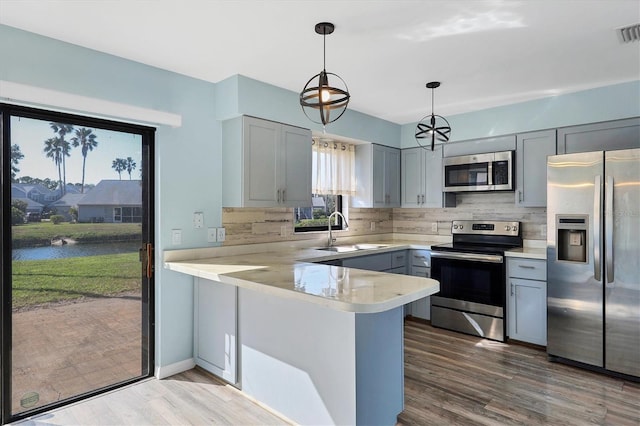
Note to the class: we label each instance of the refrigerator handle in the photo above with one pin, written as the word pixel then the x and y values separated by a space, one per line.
pixel 597 233
pixel 608 228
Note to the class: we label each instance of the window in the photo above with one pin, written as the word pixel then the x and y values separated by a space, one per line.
pixel 333 179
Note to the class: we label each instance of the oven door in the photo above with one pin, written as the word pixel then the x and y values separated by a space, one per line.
pixel 470 277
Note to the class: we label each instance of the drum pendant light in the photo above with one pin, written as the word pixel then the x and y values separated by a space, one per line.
pixel 434 127
pixel 318 96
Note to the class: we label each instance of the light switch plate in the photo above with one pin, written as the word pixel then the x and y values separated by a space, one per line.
pixel 221 234
pixel 176 237
pixel 198 220
pixel 434 227
pixel 212 235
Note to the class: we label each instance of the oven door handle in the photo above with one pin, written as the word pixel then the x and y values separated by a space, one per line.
pixel 473 257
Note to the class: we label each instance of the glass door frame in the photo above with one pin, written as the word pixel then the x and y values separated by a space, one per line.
pixel 146 253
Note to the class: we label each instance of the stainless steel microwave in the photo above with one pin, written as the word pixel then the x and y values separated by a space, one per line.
pixel 479 172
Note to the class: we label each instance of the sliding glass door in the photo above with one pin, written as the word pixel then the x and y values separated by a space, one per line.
pixel 77 258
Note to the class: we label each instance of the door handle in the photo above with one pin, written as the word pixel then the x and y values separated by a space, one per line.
pixel 608 228
pixel 146 257
pixel 597 231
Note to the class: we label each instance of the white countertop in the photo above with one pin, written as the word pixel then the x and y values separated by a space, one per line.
pixel 289 273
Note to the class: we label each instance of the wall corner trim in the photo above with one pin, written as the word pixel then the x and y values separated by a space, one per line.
pixel 26 95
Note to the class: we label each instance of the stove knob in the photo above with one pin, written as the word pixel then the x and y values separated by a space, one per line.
pixel 455 226
pixel 461 226
pixel 507 228
pixel 515 229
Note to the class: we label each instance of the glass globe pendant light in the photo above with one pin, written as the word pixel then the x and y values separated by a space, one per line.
pixel 320 100
pixel 434 127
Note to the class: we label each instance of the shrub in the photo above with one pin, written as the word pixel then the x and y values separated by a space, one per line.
pixel 20 205
pixel 56 218
pixel 17 216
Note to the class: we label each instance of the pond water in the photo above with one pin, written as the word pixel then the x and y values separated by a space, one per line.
pixel 73 250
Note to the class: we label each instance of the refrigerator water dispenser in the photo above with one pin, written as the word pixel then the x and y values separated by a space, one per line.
pixel 572 237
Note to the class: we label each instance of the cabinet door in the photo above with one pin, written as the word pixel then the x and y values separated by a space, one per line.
pixel 392 176
pixel 433 177
pixel 215 328
pixel 605 136
pixel 532 150
pixel 527 314
pixel 295 170
pixel 372 262
pixel 261 157
pixel 379 190
pixel 412 177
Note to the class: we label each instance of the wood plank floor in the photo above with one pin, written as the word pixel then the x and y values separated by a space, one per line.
pixel 450 378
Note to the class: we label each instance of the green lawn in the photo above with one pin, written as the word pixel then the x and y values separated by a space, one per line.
pixel 45 281
pixel 40 233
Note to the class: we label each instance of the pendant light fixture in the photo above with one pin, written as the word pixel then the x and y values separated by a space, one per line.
pixel 318 97
pixel 434 127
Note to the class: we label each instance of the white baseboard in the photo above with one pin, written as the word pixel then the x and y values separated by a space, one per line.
pixel 163 372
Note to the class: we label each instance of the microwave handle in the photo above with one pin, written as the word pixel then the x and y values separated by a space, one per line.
pixel 490 173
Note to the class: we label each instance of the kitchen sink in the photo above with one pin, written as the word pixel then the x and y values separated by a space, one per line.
pixel 355 247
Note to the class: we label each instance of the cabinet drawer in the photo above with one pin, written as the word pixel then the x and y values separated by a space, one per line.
pixel 421 258
pixel 401 270
pixel 398 259
pixel 530 269
pixel 420 271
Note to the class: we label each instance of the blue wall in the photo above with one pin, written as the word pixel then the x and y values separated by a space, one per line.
pixel 588 106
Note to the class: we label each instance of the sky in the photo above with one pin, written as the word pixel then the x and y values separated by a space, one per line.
pixel 30 135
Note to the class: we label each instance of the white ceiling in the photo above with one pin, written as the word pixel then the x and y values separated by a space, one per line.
pixel 485 53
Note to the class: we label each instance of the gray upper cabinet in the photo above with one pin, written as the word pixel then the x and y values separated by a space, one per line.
pixel 480 146
pixel 421 174
pixel 532 150
pixel 377 172
pixel 266 164
pixel 608 135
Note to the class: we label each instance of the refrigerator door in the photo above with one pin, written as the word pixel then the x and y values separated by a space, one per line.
pixel 622 261
pixel 574 287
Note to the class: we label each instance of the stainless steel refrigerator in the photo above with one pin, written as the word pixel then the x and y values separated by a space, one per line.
pixel 593 259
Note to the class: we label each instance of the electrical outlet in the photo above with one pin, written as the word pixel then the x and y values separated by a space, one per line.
pixel 434 227
pixel 212 235
pixel 198 220
pixel 373 226
pixel 176 237
pixel 283 231
pixel 221 234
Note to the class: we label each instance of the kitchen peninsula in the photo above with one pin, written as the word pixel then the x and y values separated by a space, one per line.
pixel 319 344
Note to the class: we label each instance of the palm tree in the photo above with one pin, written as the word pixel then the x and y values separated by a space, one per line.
pixel 61 129
pixel 53 150
pixel 87 140
pixel 119 165
pixel 16 156
pixel 130 165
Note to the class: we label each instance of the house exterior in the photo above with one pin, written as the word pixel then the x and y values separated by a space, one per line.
pixel 36 196
pixel 64 204
pixel 112 201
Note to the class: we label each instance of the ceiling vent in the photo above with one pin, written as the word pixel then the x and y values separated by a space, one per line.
pixel 629 33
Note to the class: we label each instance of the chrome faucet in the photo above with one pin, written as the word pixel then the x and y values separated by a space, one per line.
pixel 331 240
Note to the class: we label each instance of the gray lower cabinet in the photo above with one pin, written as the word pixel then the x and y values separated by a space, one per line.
pixel 216 328
pixel 420 266
pixel 527 300
pixel 604 136
pixel 392 262
pixel 421 177
pixel 532 150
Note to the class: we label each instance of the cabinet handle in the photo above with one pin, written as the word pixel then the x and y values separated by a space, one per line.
pixel 284 191
pixel 512 289
pixel 422 198
pixel 278 195
pixel 418 196
pixel 526 267
pixel 519 196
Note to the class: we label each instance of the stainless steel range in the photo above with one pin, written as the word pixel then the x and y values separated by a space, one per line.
pixel 471 271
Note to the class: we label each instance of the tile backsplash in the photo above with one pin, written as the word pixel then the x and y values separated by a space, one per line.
pixel 261 225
